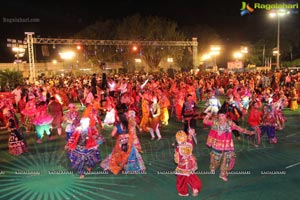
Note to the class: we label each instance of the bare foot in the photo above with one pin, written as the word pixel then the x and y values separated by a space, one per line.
pixel 223 178
pixel 195 192
pixel 183 195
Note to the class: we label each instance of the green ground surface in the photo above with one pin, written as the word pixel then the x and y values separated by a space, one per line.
pixel 44 172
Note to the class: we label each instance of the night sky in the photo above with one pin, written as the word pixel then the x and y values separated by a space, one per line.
pixel 64 19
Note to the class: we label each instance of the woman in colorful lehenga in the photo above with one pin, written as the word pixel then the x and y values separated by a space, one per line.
pixel 21 107
pixel 29 113
pixel 133 125
pixel 16 144
pixel 124 155
pixel 221 142
pixel 164 104
pixel 83 148
pixel 92 113
pixel 268 123
pixel 145 121
pixel 294 98
pixel 278 106
pixel 72 120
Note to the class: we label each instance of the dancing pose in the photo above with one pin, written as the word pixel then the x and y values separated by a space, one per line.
pixel 254 120
pixel 16 144
pixel 72 120
pixel 221 142
pixel 186 165
pixel 83 148
pixel 42 122
pixel 124 155
pixel 189 113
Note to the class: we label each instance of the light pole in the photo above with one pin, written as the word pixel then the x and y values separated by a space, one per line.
pixel 204 59
pixel 215 51
pixel 17 46
pixel 237 55
pixel 278 14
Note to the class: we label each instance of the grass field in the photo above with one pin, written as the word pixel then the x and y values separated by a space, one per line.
pixel 268 172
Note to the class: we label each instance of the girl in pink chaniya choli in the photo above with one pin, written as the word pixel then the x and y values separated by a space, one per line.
pixel 42 122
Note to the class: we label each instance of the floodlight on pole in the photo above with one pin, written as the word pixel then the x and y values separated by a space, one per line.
pixel 215 51
pixel 67 55
pixel 278 13
pixel 237 55
pixel 18 47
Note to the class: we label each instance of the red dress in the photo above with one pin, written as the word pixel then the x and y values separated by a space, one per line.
pixel 185 171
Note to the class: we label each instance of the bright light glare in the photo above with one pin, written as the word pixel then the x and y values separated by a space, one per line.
pixel 237 55
pixel 282 12
pixel 68 55
pixel 170 60
pixel 279 13
pixel 18 49
pixel 206 57
pixel 138 60
pixel 134 48
pixel 214 53
pixel 272 14
pixel 215 48
pixel 244 49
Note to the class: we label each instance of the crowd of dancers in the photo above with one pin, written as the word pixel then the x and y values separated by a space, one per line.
pixel 145 103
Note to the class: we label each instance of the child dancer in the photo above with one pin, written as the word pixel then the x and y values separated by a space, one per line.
pixel 186 165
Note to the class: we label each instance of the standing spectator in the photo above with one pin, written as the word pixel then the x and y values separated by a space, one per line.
pixel 55 110
pixel 94 85
pixel 112 85
pixel 17 92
